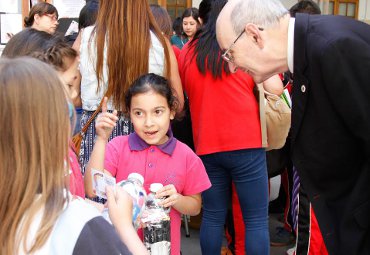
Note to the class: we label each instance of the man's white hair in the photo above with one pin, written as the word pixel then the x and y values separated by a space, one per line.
pixel 263 13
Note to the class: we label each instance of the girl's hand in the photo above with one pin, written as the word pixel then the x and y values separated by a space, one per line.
pixel 120 213
pixel 105 122
pixel 119 206
pixel 170 194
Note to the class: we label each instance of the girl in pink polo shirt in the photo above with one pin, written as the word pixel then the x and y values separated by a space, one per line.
pixel 151 151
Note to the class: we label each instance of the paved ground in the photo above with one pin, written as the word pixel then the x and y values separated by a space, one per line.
pixel 190 245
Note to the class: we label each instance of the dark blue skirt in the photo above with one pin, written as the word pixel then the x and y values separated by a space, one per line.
pixel 123 127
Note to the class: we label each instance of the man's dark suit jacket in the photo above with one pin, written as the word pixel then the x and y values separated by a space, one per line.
pixel 331 126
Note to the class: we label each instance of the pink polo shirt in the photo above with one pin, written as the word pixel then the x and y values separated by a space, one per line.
pixel 76 181
pixel 171 163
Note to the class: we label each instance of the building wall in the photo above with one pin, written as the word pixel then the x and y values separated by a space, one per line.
pixel 363 9
pixel 196 3
pixel 1 48
pixel 287 3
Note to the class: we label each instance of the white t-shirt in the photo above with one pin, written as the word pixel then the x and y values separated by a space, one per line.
pixel 79 229
pixel 90 95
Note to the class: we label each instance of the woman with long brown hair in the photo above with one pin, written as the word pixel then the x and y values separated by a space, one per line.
pixel 124 44
pixel 37 213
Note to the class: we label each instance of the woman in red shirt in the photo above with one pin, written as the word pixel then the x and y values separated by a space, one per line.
pixel 227 137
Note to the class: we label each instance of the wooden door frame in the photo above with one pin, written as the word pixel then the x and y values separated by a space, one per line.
pixel 26 5
pixel 163 3
pixel 337 2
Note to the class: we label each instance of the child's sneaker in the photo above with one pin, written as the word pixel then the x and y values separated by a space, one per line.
pixel 281 237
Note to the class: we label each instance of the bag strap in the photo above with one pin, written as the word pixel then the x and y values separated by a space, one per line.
pixel 261 102
pixel 92 117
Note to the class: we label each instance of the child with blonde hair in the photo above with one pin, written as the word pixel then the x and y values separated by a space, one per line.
pixel 37 213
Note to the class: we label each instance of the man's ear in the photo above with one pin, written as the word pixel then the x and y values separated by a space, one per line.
pixel 254 33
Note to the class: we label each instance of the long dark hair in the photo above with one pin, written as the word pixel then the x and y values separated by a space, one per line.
pixel 204 9
pixel 191 12
pixel 177 26
pixel 88 14
pixel 151 82
pixel 206 48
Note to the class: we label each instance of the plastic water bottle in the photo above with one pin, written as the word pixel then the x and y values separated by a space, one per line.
pixel 157 230
pixel 133 186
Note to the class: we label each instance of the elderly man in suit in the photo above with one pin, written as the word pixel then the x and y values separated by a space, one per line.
pixel 329 57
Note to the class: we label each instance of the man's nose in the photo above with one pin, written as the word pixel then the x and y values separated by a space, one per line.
pixel 232 67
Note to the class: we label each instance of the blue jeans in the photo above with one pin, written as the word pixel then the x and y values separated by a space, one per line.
pixel 247 169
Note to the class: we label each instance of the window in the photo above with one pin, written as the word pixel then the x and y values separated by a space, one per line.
pixel 348 8
pixel 153 1
pixel 175 8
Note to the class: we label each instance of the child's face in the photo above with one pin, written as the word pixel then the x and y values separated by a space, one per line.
pixel 151 115
pixel 70 75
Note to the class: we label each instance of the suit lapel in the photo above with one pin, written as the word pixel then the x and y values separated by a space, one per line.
pixel 300 81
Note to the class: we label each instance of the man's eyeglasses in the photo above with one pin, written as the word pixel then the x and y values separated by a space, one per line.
pixel 226 55
pixel 52 17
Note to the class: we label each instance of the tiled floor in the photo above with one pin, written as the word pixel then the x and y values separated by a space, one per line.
pixel 190 245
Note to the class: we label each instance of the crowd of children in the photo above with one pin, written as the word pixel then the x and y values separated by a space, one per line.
pixel 131 78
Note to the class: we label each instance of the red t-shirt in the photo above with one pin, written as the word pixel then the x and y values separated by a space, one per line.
pixel 224 112
pixel 176 51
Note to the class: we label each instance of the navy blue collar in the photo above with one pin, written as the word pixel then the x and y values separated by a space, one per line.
pixel 137 144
